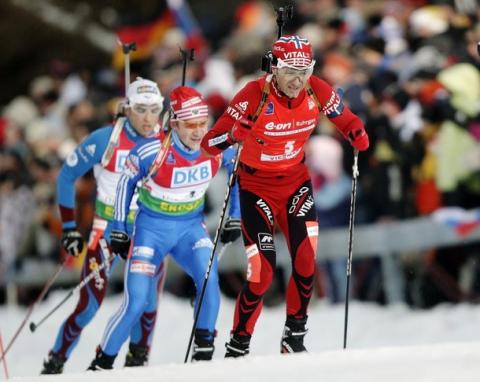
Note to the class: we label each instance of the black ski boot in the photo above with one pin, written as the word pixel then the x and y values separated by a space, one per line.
pixel 54 364
pixel 102 361
pixel 238 346
pixel 293 333
pixel 203 347
pixel 137 355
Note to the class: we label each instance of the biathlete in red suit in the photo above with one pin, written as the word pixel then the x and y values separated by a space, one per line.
pixel 275 186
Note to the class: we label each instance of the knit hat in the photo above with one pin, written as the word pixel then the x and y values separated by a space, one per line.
pixel 142 91
pixel 294 52
pixel 187 103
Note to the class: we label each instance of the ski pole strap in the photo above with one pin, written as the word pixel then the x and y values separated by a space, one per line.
pixel 265 93
pixel 160 157
pixel 113 141
pixel 311 93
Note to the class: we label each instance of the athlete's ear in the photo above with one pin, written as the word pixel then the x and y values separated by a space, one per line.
pixel 173 124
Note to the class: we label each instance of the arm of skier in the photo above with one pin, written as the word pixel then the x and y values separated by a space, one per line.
pixel 135 169
pixel 78 163
pixel 229 128
pixel 85 156
pixel 349 124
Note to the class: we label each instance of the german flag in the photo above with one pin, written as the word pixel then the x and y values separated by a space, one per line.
pixel 146 36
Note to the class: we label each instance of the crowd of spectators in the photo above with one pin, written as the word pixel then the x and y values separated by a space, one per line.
pixel 409 69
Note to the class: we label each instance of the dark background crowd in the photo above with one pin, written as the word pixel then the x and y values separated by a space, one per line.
pixel 409 69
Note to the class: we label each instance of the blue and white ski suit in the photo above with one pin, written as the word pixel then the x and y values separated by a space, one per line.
pixel 169 221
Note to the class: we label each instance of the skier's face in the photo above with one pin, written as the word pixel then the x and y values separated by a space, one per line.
pixel 192 131
pixel 291 81
pixel 144 118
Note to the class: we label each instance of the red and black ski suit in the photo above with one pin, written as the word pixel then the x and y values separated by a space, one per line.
pixel 275 187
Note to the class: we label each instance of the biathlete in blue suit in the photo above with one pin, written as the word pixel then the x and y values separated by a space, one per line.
pixel 104 150
pixel 169 221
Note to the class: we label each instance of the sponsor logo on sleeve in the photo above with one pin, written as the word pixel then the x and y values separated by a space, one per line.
pixel 72 159
pixel 217 140
pixel 90 149
pixel 234 113
pixel 334 107
pixel 242 106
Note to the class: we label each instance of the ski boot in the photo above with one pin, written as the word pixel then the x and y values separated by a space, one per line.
pixel 203 347
pixel 102 361
pixel 293 333
pixel 54 364
pixel 137 355
pixel 238 346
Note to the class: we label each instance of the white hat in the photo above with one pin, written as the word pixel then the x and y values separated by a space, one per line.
pixel 145 92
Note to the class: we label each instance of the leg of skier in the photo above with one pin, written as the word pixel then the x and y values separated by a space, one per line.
pixel 91 298
pixel 193 253
pixel 300 227
pixel 258 239
pixel 150 244
pixel 142 332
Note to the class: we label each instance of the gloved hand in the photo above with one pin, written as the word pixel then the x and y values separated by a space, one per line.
pixel 359 139
pixel 231 231
pixel 120 243
pixel 241 130
pixel 72 241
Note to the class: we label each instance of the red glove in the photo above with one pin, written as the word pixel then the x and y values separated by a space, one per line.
pixel 241 130
pixel 359 139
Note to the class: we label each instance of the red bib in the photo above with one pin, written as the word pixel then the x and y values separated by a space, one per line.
pixel 279 134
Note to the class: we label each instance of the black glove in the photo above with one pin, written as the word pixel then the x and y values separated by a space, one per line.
pixel 231 231
pixel 72 241
pixel 120 243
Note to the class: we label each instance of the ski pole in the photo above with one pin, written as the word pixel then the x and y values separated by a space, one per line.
pixel 5 369
pixel 120 117
pixel 40 297
pixel 222 250
pixel 186 56
pixel 353 195
pixel 231 181
pixel 126 48
pixel 167 140
pixel 106 263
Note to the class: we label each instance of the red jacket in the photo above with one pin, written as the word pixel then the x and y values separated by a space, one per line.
pixel 283 126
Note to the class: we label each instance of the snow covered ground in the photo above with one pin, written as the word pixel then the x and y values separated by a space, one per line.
pixel 385 344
